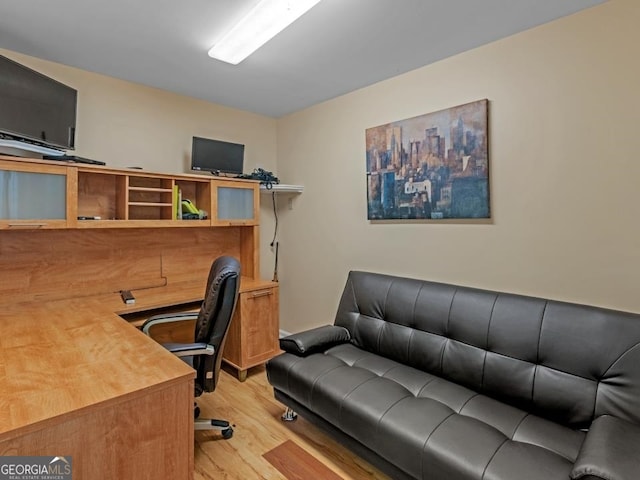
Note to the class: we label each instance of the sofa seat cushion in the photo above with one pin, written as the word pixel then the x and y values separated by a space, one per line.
pixel 427 426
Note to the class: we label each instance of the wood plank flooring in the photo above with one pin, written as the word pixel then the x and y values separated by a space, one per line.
pixel 250 406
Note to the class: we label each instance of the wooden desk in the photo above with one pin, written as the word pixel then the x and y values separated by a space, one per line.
pixel 75 379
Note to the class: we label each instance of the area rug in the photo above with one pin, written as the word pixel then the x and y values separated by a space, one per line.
pixel 297 464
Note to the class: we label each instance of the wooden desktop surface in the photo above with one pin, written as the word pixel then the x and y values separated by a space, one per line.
pixel 59 358
pixel 77 379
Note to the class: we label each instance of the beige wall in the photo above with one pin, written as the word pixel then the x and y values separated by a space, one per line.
pixel 127 124
pixel 564 116
pixel 564 167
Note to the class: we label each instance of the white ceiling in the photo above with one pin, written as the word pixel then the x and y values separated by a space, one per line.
pixel 337 47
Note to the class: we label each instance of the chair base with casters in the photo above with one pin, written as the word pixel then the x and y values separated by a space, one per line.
pixel 186 351
pixel 211 327
pixel 212 424
pixel 289 415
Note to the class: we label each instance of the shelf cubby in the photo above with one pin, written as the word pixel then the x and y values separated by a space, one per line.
pixel 98 195
pixel 197 191
pixel 149 198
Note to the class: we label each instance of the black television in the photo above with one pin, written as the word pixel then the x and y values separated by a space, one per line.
pixel 216 156
pixel 34 108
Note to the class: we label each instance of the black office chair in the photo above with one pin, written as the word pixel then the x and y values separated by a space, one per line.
pixel 212 325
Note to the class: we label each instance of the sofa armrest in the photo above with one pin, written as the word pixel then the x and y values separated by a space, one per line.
pixel 610 451
pixel 314 340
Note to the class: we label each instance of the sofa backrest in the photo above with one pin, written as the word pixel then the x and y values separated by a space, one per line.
pixel 566 362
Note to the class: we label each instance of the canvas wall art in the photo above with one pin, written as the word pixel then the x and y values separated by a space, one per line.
pixel 434 166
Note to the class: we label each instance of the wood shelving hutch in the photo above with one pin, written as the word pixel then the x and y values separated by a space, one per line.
pixel 76 230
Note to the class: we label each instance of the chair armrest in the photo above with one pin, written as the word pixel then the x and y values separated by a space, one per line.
pixel 610 451
pixel 315 340
pixel 167 318
pixel 189 349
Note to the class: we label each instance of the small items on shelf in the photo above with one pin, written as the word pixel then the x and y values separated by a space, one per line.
pixel 191 212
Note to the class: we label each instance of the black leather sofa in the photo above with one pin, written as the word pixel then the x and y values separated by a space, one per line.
pixel 440 382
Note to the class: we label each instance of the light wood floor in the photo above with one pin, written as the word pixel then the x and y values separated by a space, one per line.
pixel 256 414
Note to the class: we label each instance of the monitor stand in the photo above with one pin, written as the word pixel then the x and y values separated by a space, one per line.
pixel 218 173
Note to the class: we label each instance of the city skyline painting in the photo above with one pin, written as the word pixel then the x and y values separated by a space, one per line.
pixel 433 166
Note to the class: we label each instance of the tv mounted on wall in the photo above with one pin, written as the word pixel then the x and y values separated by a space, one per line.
pixel 216 156
pixel 35 110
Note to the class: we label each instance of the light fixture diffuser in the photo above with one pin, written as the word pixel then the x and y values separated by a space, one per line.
pixel 261 24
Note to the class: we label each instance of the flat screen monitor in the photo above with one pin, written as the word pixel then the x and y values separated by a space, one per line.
pixel 216 156
pixel 35 108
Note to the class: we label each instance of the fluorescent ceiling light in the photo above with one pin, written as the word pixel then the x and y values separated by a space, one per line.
pixel 262 23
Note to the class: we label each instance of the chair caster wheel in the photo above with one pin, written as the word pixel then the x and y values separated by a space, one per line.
pixel 289 415
pixel 227 433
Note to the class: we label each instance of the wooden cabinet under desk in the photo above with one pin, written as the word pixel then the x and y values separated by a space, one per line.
pixel 253 334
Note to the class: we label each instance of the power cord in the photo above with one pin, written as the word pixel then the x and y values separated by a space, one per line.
pixel 275 214
pixel 275 233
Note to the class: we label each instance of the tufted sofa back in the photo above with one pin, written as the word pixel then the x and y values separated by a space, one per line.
pixel 566 362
